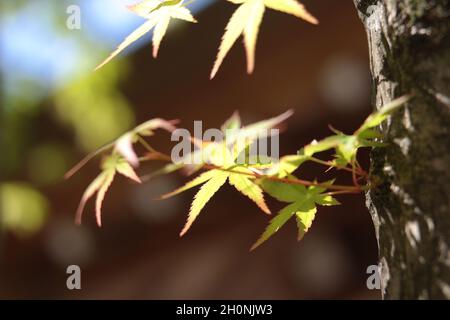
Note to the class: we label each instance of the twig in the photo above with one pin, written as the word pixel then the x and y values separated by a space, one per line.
pixel 347 189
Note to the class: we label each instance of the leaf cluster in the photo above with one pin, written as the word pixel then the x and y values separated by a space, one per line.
pixel 253 178
pixel 245 21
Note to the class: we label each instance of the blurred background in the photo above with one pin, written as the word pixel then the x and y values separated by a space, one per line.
pixel 55 109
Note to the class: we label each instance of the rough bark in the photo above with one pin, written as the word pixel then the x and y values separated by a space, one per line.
pixel 409 48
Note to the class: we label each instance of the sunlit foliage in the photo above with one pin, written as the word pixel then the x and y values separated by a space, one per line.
pixel 251 178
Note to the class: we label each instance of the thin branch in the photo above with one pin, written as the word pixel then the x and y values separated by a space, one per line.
pixel 86 159
pixel 359 171
pixel 145 144
pixel 334 193
pixel 347 189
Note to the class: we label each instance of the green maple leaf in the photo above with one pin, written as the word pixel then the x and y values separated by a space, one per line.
pixel 287 165
pixel 246 21
pixel 346 146
pixel 379 116
pixel 303 205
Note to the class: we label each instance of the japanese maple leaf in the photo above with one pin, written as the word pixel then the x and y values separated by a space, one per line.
pixel 158 15
pixel 111 165
pixel 246 21
pixel 224 158
pixel 302 204
pixel 121 160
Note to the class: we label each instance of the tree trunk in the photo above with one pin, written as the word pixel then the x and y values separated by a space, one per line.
pixel 409 47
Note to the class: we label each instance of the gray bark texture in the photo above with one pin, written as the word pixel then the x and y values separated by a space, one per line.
pixel 409 48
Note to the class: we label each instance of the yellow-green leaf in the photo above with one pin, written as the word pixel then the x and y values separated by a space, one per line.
pixel 346 150
pixel 134 36
pixel 233 30
pixel 203 196
pixel 246 21
pixel 379 116
pixel 248 188
pixel 205 176
pixel 183 13
pixel 288 164
pixel 162 4
pixel 109 177
pixel 159 32
pixel 100 185
pixel 291 7
pixel 276 223
pixel 325 200
pixel 126 170
pixel 158 16
pixel 305 219
pixel 330 142
pixel 93 187
pixel 285 192
pixel 123 145
pixel 145 8
pixel 258 130
pixel 157 123
pixel 251 33
pixel 303 204
pixel 233 123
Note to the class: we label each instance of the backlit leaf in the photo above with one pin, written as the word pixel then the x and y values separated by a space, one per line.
pixel 109 177
pixel 233 30
pixel 158 16
pixel 134 36
pixel 246 21
pixel 303 205
pixel 291 7
pixel 325 200
pixel 202 178
pixel 153 124
pixel 88 193
pixel 379 116
pixel 258 130
pixel 158 34
pixel 110 166
pixel 276 223
pixel 288 164
pixel 233 123
pixel 126 170
pixel 305 217
pixel 124 146
pixel 323 145
pixel 285 192
pixel 145 8
pixel 346 150
pixel 250 189
pixel 203 196
pixel 182 13
pixel 251 33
